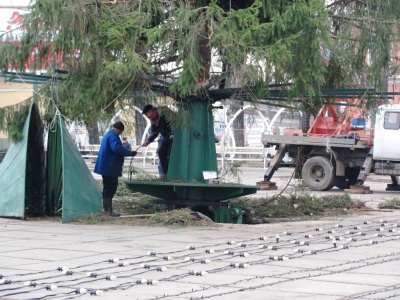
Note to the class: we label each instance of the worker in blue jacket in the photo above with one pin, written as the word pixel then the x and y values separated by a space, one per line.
pixel 109 164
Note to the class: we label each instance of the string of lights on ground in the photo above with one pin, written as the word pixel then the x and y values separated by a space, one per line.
pixel 207 266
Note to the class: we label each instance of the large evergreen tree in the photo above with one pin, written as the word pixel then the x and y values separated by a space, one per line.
pixel 118 49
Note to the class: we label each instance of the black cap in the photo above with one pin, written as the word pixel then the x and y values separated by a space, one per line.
pixel 119 125
pixel 147 108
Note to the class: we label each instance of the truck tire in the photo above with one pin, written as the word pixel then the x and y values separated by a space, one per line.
pixel 318 173
pixel 305 122
pixel 307 119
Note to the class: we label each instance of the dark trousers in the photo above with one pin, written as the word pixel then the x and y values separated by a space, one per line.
pixel 110 185
pixel 164 151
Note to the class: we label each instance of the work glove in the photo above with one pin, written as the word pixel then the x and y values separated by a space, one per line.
pixel 134 153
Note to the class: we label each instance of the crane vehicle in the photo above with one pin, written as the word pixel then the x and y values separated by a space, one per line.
pixel 339 150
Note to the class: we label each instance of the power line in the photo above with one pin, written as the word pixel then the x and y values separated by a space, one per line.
pixel 14 7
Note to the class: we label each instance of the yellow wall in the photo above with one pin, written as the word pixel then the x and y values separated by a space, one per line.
pixel 13 93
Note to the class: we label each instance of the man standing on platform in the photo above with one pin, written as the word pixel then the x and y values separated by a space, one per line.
pixel 160 125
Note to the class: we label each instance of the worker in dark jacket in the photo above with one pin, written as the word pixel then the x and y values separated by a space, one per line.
pixel 126 143
pixel 160 125
pixel 109 164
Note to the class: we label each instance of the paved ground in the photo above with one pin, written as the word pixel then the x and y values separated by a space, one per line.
pixel 356 257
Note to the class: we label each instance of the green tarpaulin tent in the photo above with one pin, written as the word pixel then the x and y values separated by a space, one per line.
pixel 71 189
pixel 68 190
pixel 21 171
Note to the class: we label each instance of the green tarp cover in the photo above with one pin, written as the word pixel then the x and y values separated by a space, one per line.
pixel 71 189
pixel 21 171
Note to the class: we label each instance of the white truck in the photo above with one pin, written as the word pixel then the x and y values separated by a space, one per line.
pixel 344 155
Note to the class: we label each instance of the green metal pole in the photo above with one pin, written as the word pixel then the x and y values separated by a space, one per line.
pixel 193 149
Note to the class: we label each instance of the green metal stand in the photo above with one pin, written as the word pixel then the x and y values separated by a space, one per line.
pixel 193 151
pixel 228 215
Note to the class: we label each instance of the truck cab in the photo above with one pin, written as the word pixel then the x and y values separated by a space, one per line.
pixel 387 133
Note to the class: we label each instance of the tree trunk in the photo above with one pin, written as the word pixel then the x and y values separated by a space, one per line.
pixel 140 122
pixel 205 53
pixel 238 127
pixel 93 131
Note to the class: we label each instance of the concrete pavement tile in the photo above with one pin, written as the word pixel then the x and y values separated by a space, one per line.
pixel 220 279
pixel 45 255
pixel 11 235
pixel 273 279
pixel 33 243
pixel 392 292
pixel 26 293
pixel 362 278
pixel 309 262
pixel 162 290
pixel 390 261
pixel 381 248
pixel 180 291
pixel 10 248
pixel 111 247
pixel 273 270
pixel 89 261
pixel 18 262
pixel 271 294
pixel 387 269
pixel 336 289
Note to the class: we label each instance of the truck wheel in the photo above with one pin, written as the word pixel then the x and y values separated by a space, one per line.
pixel 318 173
pixel 308 119
pixel 305 122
